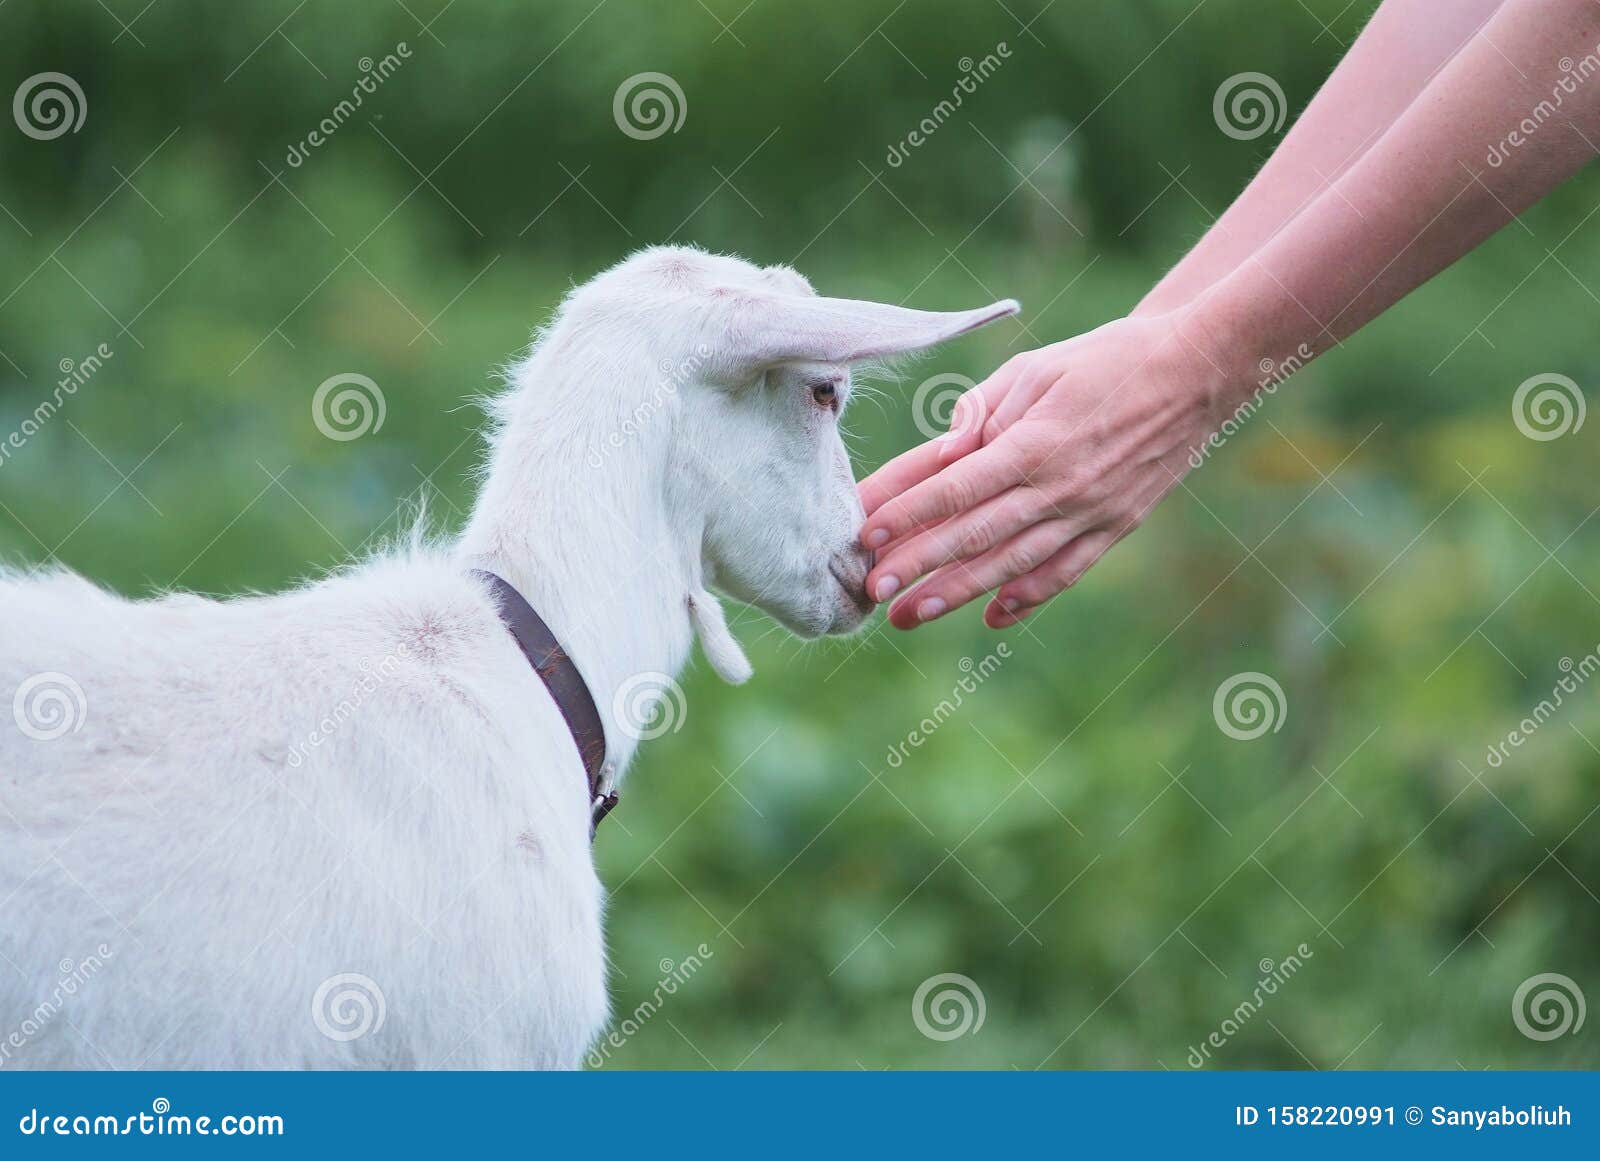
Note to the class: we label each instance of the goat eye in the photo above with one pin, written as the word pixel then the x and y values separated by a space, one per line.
pixel 825 395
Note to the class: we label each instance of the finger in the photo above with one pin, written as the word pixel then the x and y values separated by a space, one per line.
pixel 965 435
pixel 955 489
pixel 997 617
pixel 961 581
pixel 962 537
pixel 906 470
pixel 1056 574
pixel 969 419
pixel 911 534
pixel 1031 383
pixel 1023 393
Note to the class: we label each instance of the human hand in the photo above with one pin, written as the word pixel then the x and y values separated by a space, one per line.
pixel 1048 463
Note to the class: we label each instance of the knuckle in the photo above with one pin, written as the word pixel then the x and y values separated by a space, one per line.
pixel 977 538
pixel 918 559
pixel 1020 364
pixel 1102 492
pixel 1075 476
pixel 958 495
pixel 1032 504
pixel 1019 559
pixel 1113 520
pixel 1034 445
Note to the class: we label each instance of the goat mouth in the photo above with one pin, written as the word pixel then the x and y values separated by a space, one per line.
pixel 855 594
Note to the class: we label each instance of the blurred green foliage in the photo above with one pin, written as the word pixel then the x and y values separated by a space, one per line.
pixel 1080 839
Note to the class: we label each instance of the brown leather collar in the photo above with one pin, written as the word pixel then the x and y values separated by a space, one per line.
pixel 566 686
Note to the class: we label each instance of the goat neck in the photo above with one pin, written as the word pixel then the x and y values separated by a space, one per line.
pixel 573 511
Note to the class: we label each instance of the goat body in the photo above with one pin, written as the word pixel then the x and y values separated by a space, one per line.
pixel 362 779
pixel 345 826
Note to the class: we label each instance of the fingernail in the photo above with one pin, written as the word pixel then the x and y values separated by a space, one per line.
pixel 1009 604
pixel 930 608
pixel 878 538
pixel 887 587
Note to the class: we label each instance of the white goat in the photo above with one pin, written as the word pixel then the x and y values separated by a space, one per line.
pixel 345 826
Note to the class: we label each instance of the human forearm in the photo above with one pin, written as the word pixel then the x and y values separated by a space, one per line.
pixel 1064 450
pixel 1425 193
pixel 1403 46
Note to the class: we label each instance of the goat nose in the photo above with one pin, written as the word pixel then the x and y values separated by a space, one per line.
pixel 850 566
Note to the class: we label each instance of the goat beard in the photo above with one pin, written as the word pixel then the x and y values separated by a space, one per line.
pixel 727 657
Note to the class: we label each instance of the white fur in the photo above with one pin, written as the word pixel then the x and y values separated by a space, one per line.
pixel 364 775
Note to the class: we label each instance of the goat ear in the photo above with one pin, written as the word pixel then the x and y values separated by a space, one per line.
pixel 770 329
pixel 717 640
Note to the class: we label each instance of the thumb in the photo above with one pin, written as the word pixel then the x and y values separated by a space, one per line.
pixel 971 414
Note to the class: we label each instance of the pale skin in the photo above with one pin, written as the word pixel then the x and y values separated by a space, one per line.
pixel 1383 182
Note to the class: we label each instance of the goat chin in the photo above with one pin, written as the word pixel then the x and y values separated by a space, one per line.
pixel 345 826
